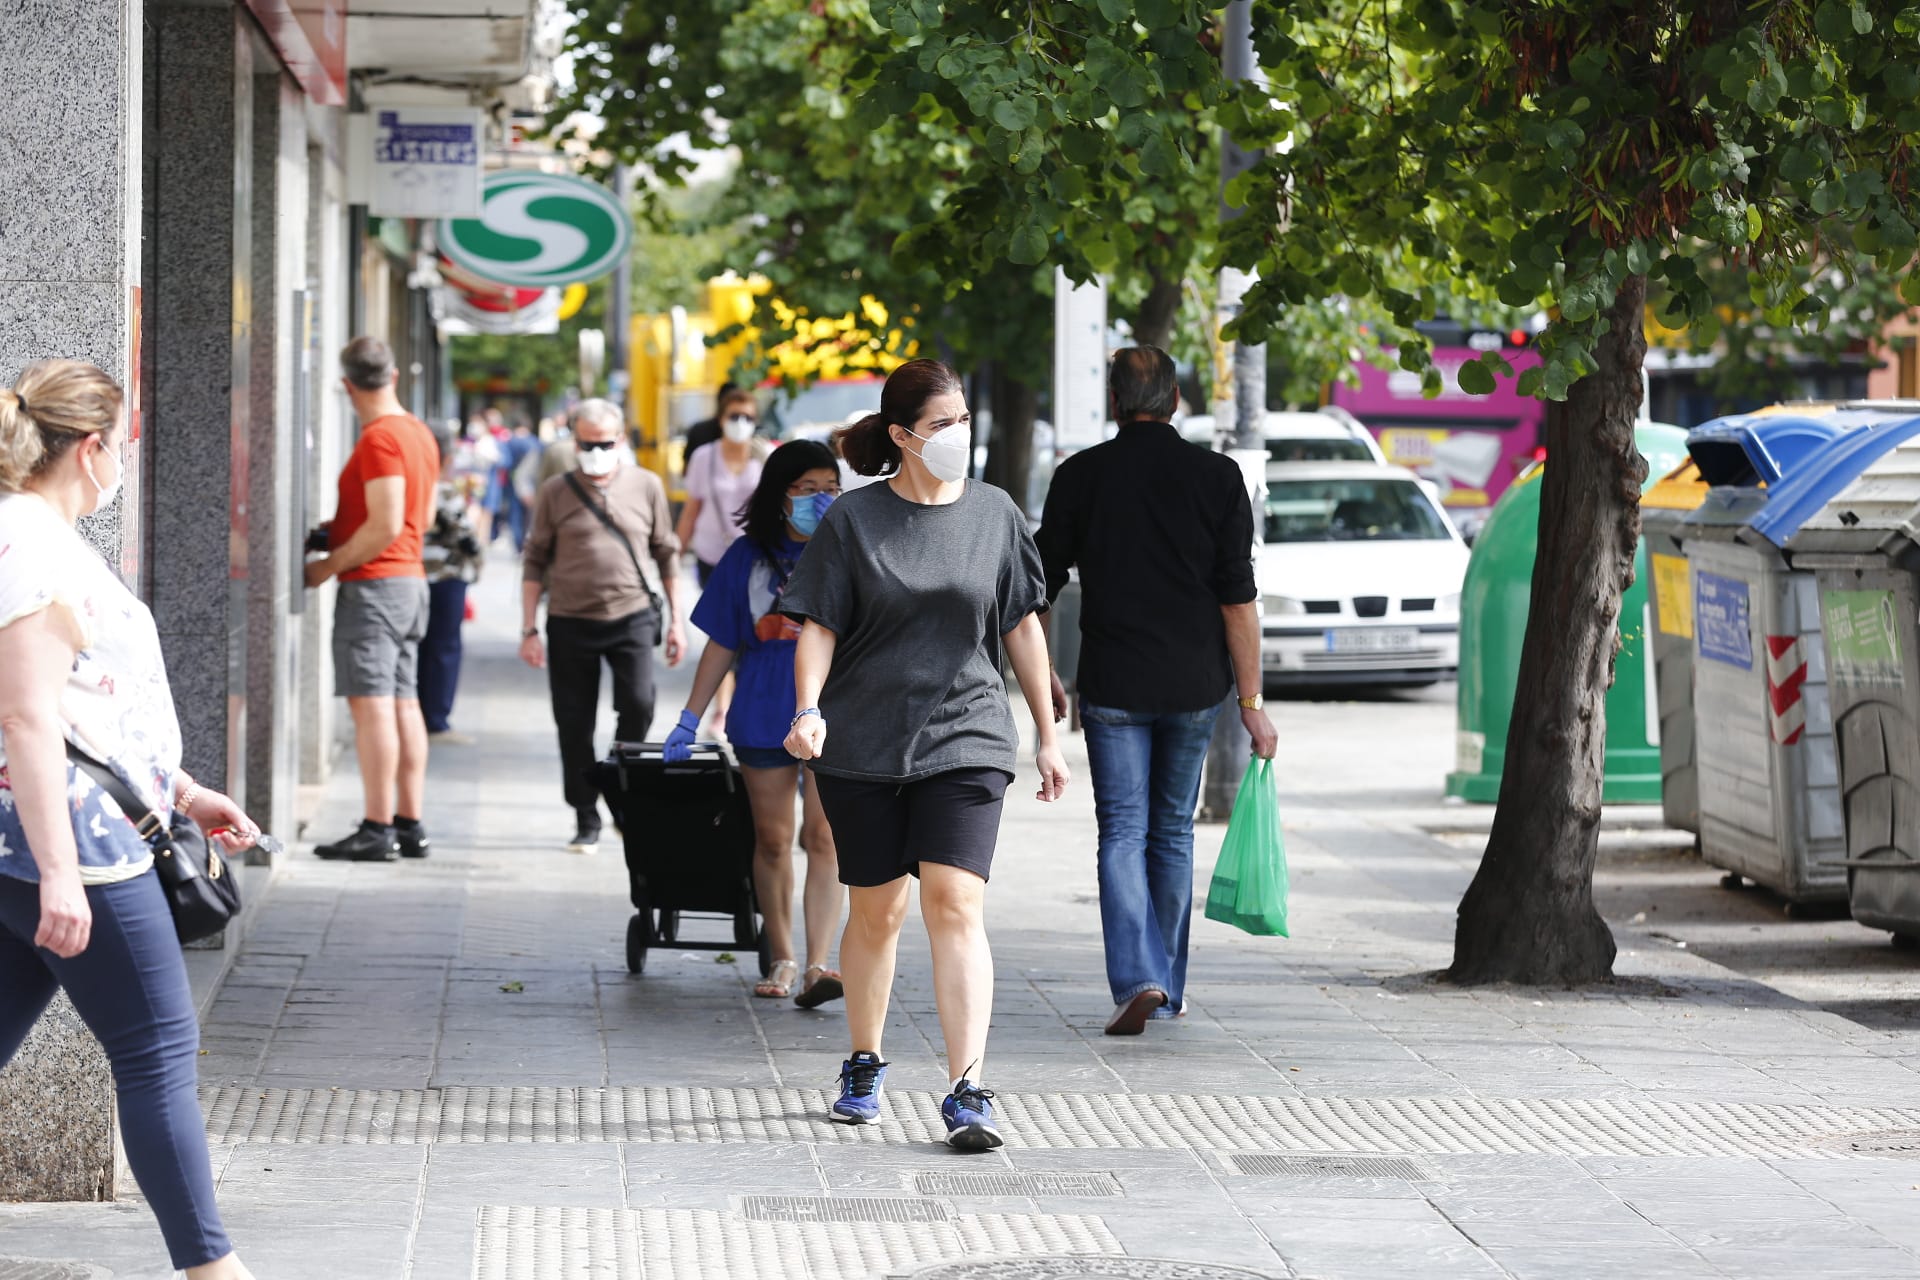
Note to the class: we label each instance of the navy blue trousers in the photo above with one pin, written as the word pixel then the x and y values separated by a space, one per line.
pixel 440 652
pixel 130 988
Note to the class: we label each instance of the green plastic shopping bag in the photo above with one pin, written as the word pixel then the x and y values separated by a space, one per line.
pixel 1249 889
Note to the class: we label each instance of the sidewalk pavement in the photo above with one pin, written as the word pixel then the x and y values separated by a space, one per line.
pixel 442 1070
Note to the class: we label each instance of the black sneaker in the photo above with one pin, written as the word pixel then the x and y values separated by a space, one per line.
pixel 413 838
pixel 370 842
pixel 586 838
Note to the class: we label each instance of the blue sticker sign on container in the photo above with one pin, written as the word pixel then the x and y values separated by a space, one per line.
pixel 1720 627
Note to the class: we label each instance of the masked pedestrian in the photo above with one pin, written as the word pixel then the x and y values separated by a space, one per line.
pixel 910 592
pixel 740 613
pixel 81 908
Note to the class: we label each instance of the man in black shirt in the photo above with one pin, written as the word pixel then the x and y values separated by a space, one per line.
pixel 1162 532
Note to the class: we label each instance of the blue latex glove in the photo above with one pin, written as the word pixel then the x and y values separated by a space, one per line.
pixel 680 742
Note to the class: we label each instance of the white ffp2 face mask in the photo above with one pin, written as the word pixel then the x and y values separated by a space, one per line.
pixel 107 493
pixel 600 462
pixel 740 428
pixel 946 451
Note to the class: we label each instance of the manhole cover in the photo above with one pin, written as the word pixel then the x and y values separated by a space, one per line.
pixel 1086 1268
pixel 842 1209
pixel 40 1269
pixel 1893 1144
pixel 1017 1184
pixel 1265 1164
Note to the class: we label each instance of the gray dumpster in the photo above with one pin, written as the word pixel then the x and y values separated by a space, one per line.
pixel 1864 550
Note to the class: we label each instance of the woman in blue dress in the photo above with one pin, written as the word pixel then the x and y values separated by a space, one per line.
pixel 739 612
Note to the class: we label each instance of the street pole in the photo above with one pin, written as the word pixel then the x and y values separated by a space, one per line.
pixel 1240 409
pixel 619 307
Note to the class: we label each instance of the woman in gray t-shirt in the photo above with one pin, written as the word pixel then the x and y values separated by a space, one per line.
pixel 909 591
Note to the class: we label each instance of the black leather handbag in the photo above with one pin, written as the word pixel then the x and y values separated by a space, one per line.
pixel 202 892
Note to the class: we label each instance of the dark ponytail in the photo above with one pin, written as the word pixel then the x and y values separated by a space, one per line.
pixel 868 445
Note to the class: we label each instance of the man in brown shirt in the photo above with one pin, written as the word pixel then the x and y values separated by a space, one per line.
pixel 602 550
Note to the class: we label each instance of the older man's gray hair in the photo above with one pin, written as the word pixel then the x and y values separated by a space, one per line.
pixel 601 413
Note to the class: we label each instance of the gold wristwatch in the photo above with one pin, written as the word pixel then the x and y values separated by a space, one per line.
pixel 1253 702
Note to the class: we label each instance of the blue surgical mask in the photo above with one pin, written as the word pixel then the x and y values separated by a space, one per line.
pixel 805 514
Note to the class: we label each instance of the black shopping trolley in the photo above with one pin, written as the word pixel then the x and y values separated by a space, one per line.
pixel 687 830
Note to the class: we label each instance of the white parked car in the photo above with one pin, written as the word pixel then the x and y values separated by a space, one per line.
pixel 1330 434
pixel 1359 577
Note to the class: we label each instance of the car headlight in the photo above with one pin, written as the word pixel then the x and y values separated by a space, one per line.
pixel 1448 603
pixel 1279 605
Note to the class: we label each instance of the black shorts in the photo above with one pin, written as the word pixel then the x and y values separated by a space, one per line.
pixel 885 830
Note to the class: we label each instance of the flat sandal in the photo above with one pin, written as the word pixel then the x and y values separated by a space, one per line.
pixel 772 987
pixel 822 984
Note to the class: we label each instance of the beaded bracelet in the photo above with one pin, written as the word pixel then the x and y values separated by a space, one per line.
pixel 810 711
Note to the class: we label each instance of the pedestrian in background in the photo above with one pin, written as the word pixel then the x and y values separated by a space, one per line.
pixel 1162 533
pixel 519 468
pixel 719 482
pixel 601 550
pixel 740 613
pixel 707 430
pixel 911 592
pixel 452 555
pixel 377 540
pixel 81 909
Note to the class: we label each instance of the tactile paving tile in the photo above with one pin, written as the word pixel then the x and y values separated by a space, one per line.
pixel 44 1269
pixel 843 1209
pixel 1390 1126
pixel 517 1243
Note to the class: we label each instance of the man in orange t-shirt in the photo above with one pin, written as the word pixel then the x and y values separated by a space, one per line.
pixel 375 540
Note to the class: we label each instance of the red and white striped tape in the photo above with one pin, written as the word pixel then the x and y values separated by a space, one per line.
pixel 1786 674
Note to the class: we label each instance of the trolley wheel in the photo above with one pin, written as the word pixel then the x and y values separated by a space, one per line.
pixel 669 928
pixel 638 930
pixel 764 944
pixel 1732 880
pixel 1903 941
pixel 745 934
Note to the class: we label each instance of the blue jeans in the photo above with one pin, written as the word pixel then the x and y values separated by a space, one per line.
pixel 130 988
pixel 440 651
pixel 1146 785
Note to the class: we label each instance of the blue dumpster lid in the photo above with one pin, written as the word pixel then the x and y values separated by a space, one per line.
pixel 1761 448
pixel 1803 495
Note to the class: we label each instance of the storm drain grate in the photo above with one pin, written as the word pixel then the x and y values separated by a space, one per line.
pixel 1096 1268
pixel 41 1269
pixel 1017 1184
pixel 1265 1164
pixel 1890 1144
pixel 528 1243
pixel 1056 1121
pixel 843 1209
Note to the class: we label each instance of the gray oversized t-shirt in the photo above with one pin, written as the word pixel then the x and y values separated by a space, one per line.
pixel 919 598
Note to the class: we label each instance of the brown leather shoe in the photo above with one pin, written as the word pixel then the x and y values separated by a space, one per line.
pixel 1130 1019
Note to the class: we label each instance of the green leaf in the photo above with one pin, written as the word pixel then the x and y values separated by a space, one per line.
pixel 1354 280
pixel 1131 88
pixel 1902 81
pixel 1862 20
pixel 1476 379
pixel 1116 10
pixel 1014 114
pixel 1833 20
pixel 1081 146
pixel 1754 224
pixel 1028 248
pixel 1530 381
pixel 1910 289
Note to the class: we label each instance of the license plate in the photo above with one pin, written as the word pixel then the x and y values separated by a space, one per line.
pixel 1373 640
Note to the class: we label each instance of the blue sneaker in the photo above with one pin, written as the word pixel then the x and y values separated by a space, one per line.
pixel 861 1078
pixel 968 1112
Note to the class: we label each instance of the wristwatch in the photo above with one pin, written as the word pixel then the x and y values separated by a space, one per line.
pixel 528 633
pixel 1253 703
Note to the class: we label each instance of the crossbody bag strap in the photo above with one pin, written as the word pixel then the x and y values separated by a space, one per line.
pixel 586 500
pixel 151 827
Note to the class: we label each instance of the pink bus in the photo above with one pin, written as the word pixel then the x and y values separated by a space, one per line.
pixel 1470 447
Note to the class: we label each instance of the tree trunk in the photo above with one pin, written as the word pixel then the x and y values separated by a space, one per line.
pixel 1153 322
pixel 1010 448
pixel 1529 915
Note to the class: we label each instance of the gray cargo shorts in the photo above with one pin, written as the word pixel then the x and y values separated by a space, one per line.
pixel 377 627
